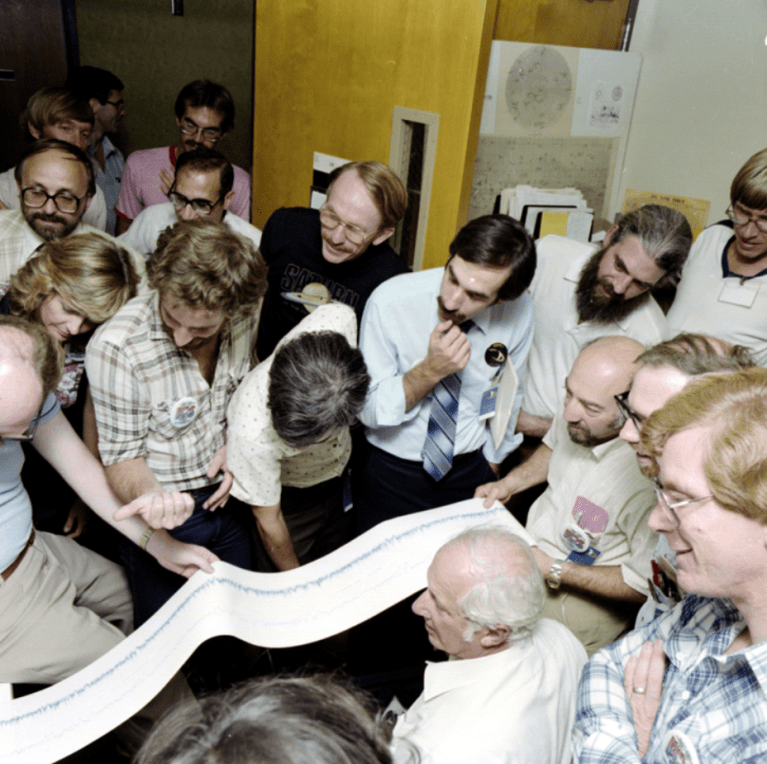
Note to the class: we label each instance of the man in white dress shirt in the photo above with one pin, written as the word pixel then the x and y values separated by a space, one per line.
pixel 507 693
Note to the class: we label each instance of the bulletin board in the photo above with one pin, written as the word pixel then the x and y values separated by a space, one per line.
pixel 554 116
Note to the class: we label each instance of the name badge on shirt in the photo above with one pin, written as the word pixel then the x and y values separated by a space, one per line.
pixel 183 411
pixel 679 749
pixel 488 403
pixel 735 293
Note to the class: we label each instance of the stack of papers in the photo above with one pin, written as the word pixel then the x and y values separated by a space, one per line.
pixel 543 211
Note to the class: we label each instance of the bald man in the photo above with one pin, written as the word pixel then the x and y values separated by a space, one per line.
pixel 593 543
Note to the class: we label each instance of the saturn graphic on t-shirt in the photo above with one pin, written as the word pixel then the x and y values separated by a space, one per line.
pixel 312 296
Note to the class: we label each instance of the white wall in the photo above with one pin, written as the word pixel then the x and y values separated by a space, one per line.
pixel 701 105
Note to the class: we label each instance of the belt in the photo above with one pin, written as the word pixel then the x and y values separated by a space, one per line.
pixel 6 574
pixel 198 493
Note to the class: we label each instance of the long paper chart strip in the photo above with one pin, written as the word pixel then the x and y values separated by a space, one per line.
pixel 354 583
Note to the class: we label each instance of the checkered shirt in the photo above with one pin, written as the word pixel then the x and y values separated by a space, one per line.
pixel 138 377
pixel 716 702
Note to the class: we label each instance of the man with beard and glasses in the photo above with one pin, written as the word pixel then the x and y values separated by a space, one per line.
pixel 204 115
pixel 580 294
pixel 593 543
pixel 438 345
pixel 56 185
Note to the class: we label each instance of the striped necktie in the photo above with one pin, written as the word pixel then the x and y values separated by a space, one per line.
pixel 437 451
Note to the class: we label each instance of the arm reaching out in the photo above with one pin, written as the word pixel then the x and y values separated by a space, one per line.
pixel 58 443
pixel 529 473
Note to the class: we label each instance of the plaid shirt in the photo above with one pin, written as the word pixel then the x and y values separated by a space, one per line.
pixel 152 401
pixel 18 242
pixel 712 703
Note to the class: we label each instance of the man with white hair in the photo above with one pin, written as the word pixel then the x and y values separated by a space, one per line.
pixel 484 600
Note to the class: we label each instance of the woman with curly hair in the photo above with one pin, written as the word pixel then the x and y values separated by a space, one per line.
pixel 70 286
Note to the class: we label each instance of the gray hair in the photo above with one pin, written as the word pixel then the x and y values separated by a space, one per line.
pixel 664 233
pixel 290 720
pixel 696 354
pixel 317 385
pixel 511 590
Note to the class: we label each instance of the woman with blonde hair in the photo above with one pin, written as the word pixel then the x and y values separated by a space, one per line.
pixel 70 286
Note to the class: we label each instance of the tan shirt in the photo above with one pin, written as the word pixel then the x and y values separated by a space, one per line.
pixel 604 485
pixel 259 459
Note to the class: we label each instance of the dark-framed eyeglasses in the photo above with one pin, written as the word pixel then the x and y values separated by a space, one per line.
pixel 28 435
pixel 329 220
pixel 35 198
pixel 626 411
pixel 200 206
pixel 117 104
pixel 188 127
pixel 740 218
pixel 669 506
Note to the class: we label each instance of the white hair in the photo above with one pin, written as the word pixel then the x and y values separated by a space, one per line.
pixel 510 591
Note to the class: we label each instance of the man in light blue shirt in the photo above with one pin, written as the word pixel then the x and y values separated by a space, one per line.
pixel 104 92
pixel 443 336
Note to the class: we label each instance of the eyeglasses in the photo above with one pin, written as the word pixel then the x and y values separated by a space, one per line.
pixel 670 507
pixel 117 104
pixel 64 201
pixel 200 206
pixel 740 218
pixel 353 233
pixel 29 433
pixel 209 133
pixel 627 411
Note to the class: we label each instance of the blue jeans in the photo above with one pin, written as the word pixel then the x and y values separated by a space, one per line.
pixel 224 531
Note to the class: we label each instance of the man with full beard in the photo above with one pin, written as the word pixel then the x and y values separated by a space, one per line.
pixel 56 185
pixel 590 525
pixel 580 295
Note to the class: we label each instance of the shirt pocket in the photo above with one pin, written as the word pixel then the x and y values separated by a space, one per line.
pixel 175 418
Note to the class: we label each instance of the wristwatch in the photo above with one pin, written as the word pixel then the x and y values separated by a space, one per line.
pixel 554 579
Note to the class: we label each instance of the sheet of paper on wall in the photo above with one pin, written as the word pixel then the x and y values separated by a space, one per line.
pixel 695 210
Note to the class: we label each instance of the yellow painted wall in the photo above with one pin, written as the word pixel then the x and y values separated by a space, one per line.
pixel 578 23
pixel 328 75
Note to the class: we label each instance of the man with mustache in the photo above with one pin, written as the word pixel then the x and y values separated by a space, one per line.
pixel 439 345
pixel 56 184
pixel 580 295
pixel 590 525
pixel 204 115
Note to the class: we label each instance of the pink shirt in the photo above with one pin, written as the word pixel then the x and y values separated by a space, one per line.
pixel 141 185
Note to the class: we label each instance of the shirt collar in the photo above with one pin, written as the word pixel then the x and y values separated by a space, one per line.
pixel 157 328
pixel 603 449
pixel 576 266
pixel 454 673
